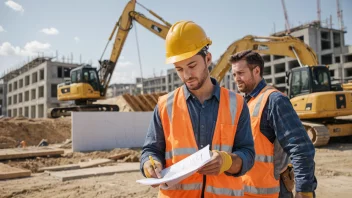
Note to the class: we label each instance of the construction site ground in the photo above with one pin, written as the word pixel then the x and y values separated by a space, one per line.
pixel 333 165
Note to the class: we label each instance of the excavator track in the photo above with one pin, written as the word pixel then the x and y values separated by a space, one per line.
pixel 318 133
pixel 66 111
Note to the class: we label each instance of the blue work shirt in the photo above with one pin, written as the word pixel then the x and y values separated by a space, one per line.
pixel 203 117
pixel 279 120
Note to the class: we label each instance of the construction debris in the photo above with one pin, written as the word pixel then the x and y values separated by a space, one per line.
pixel 8 172
pixel 17 153
pixel 17 129
pixel 90 172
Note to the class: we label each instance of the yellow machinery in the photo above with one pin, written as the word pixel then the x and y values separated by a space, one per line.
pixel 347 86
pixel 315 100
pixel 87 84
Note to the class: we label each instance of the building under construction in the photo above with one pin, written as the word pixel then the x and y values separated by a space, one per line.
pixel 31 89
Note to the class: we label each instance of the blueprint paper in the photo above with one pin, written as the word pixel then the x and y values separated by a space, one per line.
pixel 181 170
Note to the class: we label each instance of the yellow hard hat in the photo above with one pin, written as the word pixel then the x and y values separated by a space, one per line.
pixel 184 40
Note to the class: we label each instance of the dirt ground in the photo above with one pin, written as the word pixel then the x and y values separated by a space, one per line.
pixel 333 172
pixel 32 131
pixel 333 167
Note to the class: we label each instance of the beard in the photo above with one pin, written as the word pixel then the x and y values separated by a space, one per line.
pixel 197 83
pixel 246 87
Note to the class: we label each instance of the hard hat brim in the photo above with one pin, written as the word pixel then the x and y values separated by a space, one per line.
pixel 181 57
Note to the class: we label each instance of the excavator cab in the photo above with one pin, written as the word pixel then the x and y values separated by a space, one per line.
pixel 86 74
pixel 306 80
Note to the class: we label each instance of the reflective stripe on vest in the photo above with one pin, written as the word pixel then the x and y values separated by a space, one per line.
pixel 264 158
pixel 194 186
pixel 169 103
pixel 257 105
pixel 233 105
pixel 179 151
pixel 224 191
pixel 261 191
pixel 222 148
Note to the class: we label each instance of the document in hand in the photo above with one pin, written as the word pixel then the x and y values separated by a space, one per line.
pixel 181 170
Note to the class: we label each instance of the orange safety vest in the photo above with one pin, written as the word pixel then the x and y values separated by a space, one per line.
pixel 180 143
pixel 260 180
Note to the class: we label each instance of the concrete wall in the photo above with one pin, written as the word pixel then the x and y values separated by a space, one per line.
pixel 94 131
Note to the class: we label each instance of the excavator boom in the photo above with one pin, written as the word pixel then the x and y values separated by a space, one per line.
pixel 283 46
pixel 123 26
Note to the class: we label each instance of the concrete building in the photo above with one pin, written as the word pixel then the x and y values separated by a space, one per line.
pixel 120 89
pixel 172 80
pixel 2 98
pixel 154 84
pixel 32 89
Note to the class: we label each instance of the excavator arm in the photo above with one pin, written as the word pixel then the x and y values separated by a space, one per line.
pixel 123 26
pixel 283 46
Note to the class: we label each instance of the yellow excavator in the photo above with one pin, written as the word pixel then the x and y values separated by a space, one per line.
pixel 316 101
pixel 87 84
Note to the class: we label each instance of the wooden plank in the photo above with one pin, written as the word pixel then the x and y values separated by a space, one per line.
pixel 94 162
pixel 119 156
pixel 60 168
pixel 8 172
pixel 91 172
pixel 17 153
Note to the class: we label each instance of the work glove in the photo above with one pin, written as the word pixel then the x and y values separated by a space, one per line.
pixel 226 161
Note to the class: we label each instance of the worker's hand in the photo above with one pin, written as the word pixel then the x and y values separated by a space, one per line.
pixel 304 195
pixel 150 172
pixel 220 162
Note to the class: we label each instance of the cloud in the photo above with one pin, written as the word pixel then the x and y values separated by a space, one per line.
pixel 30 49
pixel 50 31
pixel 2 29
pixel 76 39
pixel 15 6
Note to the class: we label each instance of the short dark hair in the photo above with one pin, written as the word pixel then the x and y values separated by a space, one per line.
pixel 252 58
pixel 203 52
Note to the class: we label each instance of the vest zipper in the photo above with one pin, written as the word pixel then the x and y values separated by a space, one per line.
pixel 203 187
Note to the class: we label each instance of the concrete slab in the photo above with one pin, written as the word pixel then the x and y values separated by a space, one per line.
pixel 91 172
pixel 17 153
pixel 92 131
pixel 94 162
pixel 8 172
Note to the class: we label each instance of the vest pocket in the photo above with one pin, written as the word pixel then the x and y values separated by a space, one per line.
pixel 226 137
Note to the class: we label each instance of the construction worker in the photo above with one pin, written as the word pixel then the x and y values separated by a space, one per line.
pixel 278 135
pixel 197 114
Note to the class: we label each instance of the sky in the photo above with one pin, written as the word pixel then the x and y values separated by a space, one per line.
pixel 81 28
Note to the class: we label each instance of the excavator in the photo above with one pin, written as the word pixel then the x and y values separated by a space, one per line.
pixel 316 101
pixel 87 84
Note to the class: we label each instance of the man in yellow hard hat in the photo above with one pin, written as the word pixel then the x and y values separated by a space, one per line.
pixel 195 115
